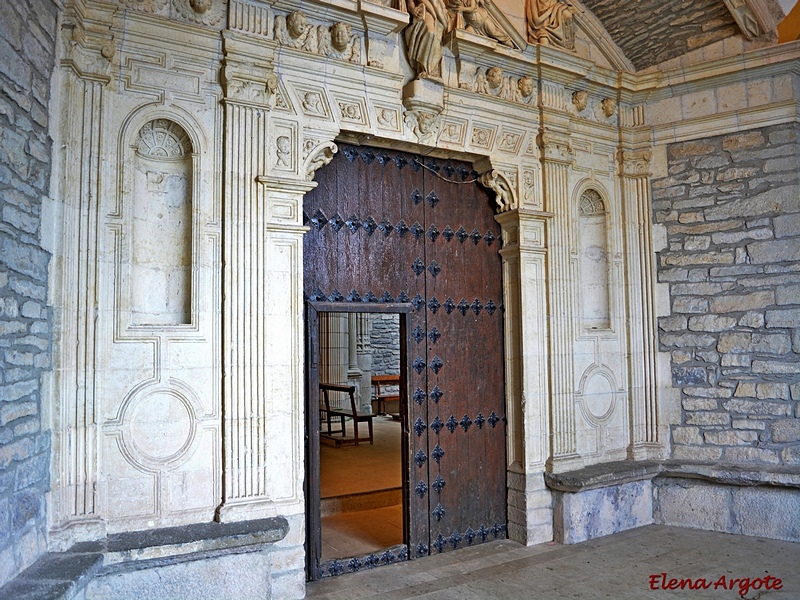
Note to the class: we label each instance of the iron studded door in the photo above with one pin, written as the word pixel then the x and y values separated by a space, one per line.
pixel 386 226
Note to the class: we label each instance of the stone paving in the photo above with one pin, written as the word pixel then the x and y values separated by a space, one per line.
pixel 625 565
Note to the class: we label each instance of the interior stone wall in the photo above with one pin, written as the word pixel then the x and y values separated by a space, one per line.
pixel 26 61
pixel 731 208
pixel 385 343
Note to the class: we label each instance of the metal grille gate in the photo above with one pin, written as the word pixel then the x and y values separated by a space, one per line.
pixel 390 227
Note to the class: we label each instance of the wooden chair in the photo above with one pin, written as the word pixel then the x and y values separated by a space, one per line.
pixel 343 413
pixel 381 398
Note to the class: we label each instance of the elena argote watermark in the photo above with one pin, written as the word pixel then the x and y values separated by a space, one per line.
pixel 743 585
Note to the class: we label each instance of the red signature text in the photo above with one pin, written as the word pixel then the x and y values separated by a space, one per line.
pixel 743 585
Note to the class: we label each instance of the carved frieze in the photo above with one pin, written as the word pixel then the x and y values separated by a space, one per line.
pixel 334 41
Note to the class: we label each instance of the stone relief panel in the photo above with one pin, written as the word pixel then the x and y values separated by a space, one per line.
pixel 334 41
pixel 313 102
pixel 387 117
pixel 285 157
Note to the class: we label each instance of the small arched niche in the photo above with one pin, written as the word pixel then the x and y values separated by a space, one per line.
pixel 594 266
pixel 161 274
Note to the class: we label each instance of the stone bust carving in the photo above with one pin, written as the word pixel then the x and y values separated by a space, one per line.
pixel 525 88
pixel 294 31
pixel 339 42
pixel 580 99
pixel 550 22
pixel 423 35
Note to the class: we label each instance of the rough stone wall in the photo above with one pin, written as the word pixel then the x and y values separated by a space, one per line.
pixel 679 28
pixel 27 46
pixel 731 208
pixel 385 342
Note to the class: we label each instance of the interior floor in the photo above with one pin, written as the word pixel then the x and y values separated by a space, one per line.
pixel 361 492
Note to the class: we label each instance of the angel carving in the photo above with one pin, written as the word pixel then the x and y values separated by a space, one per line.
pixel 339 42
pixel 295 32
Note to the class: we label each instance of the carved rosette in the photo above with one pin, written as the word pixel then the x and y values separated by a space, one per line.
pixel 635 163
pixel 317 157
pixel 425 124
pixel 505 195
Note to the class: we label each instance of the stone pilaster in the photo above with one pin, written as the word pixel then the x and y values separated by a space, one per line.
pixel 526 366
pixel 84 61
pixel 262 307
pixel 640 274
pixel 557 157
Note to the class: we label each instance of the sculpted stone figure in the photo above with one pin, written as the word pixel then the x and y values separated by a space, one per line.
pixel 478 20
pixel 294 31
pixel 550 22
pixel 525 89
pixel 492 83
pixel 579 100
pixel 423 35
pixel 339 42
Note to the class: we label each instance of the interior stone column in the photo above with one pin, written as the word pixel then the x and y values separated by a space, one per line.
pixel 557 157
pixel 524 254
pixel 640 274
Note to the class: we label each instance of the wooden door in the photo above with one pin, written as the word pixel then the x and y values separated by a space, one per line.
pixel 391 227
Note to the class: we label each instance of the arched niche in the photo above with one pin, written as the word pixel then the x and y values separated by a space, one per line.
pixel 161 225
pixel 594 261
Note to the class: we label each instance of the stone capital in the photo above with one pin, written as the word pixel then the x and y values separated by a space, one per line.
pixel 635 163
pixel 555 147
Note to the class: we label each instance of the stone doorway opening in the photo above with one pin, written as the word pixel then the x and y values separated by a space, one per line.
pixel 389 228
